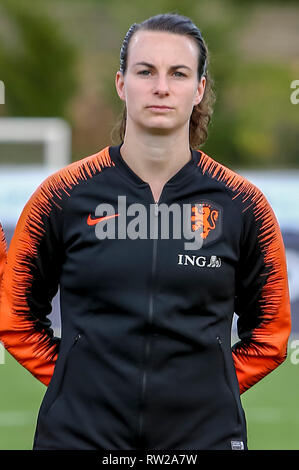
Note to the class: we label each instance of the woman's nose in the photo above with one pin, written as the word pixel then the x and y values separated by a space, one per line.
pixel 161 86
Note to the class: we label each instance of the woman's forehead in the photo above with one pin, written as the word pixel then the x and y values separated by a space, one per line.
pixel 151 45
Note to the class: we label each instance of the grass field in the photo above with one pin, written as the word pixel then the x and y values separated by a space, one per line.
pixel 271 407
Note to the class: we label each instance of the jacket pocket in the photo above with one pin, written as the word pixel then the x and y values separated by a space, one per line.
pixel 228 380
pixel 56 383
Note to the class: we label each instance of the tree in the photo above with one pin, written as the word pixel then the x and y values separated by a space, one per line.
pixel 36 61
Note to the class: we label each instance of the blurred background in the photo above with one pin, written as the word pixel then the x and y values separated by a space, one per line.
pixel 58 104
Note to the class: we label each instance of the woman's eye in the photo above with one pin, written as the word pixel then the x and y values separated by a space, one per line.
pixel 148 72
pixel 143 72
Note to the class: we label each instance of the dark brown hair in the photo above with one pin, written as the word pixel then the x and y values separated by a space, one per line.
pixel 177 24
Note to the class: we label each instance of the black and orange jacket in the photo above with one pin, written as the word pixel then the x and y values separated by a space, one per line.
pixel 145 358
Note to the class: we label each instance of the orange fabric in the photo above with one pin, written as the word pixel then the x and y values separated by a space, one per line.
pixel 31 347
pixel 267 347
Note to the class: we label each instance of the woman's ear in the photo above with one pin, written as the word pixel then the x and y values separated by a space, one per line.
pixel 200 91
pixel 120 85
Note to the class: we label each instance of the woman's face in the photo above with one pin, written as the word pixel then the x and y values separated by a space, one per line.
pixel 160 86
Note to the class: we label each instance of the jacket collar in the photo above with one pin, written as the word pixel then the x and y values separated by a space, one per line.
pixel 186 170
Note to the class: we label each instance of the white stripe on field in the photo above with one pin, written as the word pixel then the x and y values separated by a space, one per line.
pixel 270 415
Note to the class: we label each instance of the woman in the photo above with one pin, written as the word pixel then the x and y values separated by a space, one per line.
pixel 145 358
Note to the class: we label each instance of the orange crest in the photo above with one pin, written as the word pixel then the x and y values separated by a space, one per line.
pixel 204 218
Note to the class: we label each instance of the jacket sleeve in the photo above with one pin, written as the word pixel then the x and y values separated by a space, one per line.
pixel 262 295
pixel 30 282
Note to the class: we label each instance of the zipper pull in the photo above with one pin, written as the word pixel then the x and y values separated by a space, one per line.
pixel 77 337
pixel 219 340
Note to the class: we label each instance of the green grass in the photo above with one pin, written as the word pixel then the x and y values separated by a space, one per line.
pixel 272 411
pixel 20 398
pixel 271 408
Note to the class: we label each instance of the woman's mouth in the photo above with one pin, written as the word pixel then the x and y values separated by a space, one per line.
pixel 160 108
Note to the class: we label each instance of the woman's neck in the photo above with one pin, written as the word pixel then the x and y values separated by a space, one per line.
pixel 155 159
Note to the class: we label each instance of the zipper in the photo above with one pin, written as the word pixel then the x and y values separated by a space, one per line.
pixel 60 378
pixel 219 340
pixel 150 320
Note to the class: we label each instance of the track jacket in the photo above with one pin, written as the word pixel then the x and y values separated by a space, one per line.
pixel 145 358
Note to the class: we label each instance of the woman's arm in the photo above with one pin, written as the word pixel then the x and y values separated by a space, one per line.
pixel 262 296
pixel 30 282
pixel 34 262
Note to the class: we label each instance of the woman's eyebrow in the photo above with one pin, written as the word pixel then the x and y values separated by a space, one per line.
pixel 172 66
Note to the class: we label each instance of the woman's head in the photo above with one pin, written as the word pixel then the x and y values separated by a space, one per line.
pixel 183 41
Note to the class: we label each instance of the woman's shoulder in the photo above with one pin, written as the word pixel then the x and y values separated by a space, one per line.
pixel 66 178
pixel 232 180
pixel 84 168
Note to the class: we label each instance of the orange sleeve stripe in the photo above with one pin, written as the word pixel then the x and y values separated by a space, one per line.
pixel 268 345
pixel 33 348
